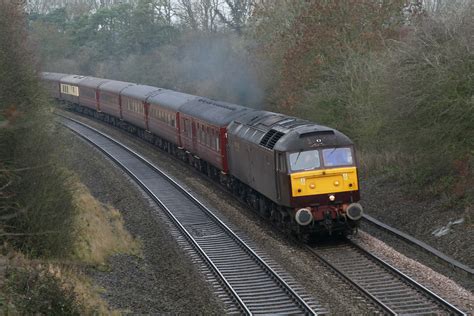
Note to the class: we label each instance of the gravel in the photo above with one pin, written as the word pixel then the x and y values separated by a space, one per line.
pixel 163 279
pixel 434 281
pixel 388 203
pixel 317 280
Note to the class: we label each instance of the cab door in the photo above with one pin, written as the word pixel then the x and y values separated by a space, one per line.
pixel 282 178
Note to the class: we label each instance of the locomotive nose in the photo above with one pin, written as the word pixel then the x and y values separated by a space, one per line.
pixel 354 211
pixel 304 216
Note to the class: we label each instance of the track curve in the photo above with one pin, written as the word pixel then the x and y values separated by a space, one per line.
pixel 254 286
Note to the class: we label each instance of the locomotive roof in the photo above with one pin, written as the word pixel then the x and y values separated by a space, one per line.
pixel 115 86
pixel 311 136
pixel 286 133
pixel 52 76
pixel 72 79
pixel 170 99
pixel 92 82
pixel 214 112
pixel 140 92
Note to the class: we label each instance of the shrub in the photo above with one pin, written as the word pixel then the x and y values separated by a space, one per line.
pixel 36 203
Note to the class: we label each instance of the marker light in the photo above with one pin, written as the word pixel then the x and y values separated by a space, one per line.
pixel 332 197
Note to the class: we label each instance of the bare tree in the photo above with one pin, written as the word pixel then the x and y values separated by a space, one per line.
pixel 238 13
pixel 186 11
pixel 207 14
pixel 164 10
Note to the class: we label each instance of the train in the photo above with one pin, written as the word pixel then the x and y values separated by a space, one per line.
pixel 301 176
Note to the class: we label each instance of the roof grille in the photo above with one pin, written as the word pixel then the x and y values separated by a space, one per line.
pixel 271 138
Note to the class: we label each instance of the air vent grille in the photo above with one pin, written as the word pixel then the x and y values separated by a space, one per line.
pixel 271 138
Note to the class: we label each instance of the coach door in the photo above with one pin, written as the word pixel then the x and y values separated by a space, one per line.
pixel 194 136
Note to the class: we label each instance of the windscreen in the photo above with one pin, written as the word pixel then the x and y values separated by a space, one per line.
pixel 304 160
pixel 337 157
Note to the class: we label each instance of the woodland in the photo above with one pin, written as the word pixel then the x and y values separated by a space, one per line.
pixel 396 76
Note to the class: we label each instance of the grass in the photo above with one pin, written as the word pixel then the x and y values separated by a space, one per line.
pixel 41 287
pixel 101 231
pixel 59 286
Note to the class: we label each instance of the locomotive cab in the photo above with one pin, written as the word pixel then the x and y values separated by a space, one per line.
pixel 322 171
pixel 317 169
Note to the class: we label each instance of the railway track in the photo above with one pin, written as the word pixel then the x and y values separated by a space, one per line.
pixel 391 290
pixel 253 286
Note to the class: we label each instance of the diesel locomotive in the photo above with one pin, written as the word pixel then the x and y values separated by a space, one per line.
pixel 300 175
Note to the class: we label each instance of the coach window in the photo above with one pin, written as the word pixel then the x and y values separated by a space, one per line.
pixel 189 129
pixel 214 140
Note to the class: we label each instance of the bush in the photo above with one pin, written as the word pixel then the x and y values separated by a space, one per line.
pixel 429 105
pixel 35 291
pixel 36 203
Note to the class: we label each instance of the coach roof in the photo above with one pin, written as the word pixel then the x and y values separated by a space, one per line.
pixel 140 92
pixel 92 82
pixel 214 112
pixel 72 79
pixel 52 76
pixel 115 86
pixel 170 99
